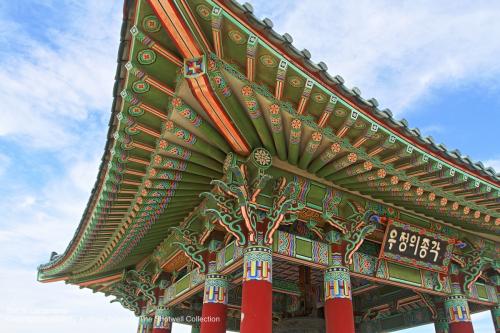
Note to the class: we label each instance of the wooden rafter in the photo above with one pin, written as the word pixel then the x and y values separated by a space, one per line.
pixel 200 86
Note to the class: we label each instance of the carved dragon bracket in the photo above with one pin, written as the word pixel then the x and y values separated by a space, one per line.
pixel 126 296
pixel 142 280
pixel 233 203
pixel 189 242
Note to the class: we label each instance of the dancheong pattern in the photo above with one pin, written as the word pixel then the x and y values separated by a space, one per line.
pixel 257 264
pixel 180 133
pixel 457 309
pixel 295 131
pixel 320 253
pixel 337 283
pixel 186 112
pixel 168 145
pixel 140 87
pixel 175 150
pixel 146 57
pixel 162 318
pixel 364 264
pixel 286 243
pixel 216 289
pixel 151 24
pixel 194 67
pixel 145 324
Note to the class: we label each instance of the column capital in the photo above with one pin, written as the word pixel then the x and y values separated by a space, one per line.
pixel 338 309
pixel 145 323
pixel 216 289
pixel 457 309
pixel 257 264
pixel 337 282
pixel 162 320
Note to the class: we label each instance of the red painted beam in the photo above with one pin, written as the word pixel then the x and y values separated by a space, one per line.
pixel 178 29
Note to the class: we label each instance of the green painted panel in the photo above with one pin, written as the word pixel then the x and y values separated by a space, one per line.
pixel 182 284
pixel 481 291
pixel 303 248
pixel 229 253
pixel 404 274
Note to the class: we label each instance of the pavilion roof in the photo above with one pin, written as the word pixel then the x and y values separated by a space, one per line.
pixel 285 42
pixel 112 234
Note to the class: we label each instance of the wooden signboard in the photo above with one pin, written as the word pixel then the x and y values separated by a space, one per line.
pixel 415 246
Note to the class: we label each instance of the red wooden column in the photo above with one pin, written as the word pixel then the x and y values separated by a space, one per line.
pixel 162 321
pixel 339 316
pixel 457 309
pixel 214 310
pixel 257 293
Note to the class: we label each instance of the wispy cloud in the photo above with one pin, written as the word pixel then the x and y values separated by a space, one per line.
pixel 56 81
pixel 55 85
pixel 49 89
pixel 398 53
pixel 29 306
pixel 495 164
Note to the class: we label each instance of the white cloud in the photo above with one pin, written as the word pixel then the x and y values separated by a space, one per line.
pixel 399 53
pixel 52 94
pixel 29 306
pixel 47 90
pixel 495 164
pixel 40 220
pixel 56 99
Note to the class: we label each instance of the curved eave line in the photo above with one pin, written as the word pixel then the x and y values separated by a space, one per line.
pixel 112 127
pixel 282 44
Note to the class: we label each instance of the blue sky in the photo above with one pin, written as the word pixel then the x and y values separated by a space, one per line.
pixel 434 64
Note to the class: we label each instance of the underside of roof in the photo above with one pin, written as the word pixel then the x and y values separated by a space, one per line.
pixel 221 81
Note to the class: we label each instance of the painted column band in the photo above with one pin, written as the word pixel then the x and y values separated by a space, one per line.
pixel 216 289
pixel 457 309
pixel 139 327
pixel 339 315
pixel 162 318
pixel 145 324
pixel 337 280
pixel 257 264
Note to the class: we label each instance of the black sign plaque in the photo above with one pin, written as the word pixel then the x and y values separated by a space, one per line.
pixel 411 245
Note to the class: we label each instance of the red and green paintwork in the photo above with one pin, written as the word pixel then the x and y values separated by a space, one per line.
pixel 201 79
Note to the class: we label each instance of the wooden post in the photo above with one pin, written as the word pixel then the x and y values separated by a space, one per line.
pixel 214 310
pixel 339 316
pixel 457 309
pixel 257 290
